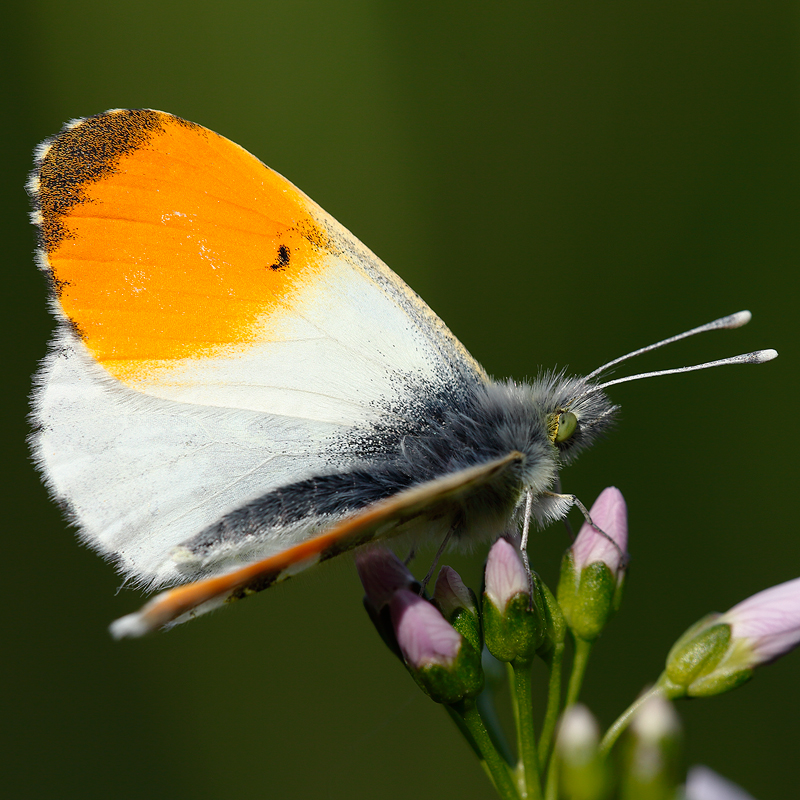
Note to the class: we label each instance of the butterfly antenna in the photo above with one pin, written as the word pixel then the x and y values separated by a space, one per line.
pixel 758 357
pixel 723 323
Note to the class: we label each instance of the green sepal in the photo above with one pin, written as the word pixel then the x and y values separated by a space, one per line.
pixel 464 679
pixel 692 631
pixel 519 630
pixel 466 621
pixel 718 682
pixel 555 626
pixel 589 600
pixel 697 653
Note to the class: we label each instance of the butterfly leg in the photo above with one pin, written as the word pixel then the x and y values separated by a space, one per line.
pixel 575 502
pixel 523 545
pixel 426 580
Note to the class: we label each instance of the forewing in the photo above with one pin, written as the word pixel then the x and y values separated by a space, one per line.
pixel 218 331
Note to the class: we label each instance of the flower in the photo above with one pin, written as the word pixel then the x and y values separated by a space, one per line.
pixel 382 574
pixel 652 754
pixel 442 661
pixel 610 514
pixel 578 735
pixel 505 574
pixel 656 720
pixel 424 635
pixel 514 622
pixel 593 569
pixel 458 605
pixel 719 652
pixel 451 595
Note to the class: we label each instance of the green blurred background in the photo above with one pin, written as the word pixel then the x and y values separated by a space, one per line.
pixel 562 182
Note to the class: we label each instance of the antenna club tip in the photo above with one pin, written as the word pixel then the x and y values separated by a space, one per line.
pixel 765 355
pixel 738 319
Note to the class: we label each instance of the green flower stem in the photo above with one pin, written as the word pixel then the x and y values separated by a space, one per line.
pixel 495 765
pixel 487 708
pixel 527 758
pixel 553 660
pixel 551 789
pixel 462 726
pixel 613 733
pixel 465 732
pixel 582 650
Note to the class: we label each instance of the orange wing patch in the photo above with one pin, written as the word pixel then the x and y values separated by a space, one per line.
pixel 167 241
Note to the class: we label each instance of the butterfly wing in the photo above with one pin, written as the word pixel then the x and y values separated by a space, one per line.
pixel 221 337
pixel 420 504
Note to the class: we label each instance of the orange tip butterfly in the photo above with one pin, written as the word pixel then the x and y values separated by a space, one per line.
pixel 238 389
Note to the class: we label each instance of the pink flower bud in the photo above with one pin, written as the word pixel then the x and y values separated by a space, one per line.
pixel 610 514
pixel 451 594
pixel 768 623
pixel 382 574
pixel 424 636
pixel 505 574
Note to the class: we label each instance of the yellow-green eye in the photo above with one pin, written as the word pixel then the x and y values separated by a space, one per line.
pixel 566 424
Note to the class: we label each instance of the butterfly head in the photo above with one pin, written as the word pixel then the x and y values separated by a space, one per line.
pixel 575 414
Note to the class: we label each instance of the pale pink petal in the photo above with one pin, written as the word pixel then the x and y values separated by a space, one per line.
pixel 610 514
pixel 451 593
pixel 703 783
pixel 769 620
pixel 505 574
pixel 424 636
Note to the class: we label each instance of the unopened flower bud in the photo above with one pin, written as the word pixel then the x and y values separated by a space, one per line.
pixel 458 605
pixel 593 569
pixel 720 652
pixel 445 665
pixel 513 621
pixel 583 772
pixel 382 574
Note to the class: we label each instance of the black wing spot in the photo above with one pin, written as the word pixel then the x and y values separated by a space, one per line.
pixel 283 259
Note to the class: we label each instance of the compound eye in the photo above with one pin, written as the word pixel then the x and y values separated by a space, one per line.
pixel 566 424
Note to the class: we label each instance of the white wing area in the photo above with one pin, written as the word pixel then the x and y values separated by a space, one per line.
pixel 140 475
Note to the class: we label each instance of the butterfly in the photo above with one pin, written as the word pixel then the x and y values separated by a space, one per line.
pixel 238 389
